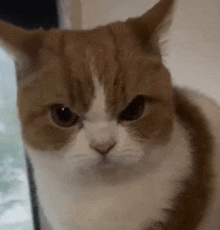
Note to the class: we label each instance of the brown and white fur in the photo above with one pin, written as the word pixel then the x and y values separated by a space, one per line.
pixel 162 171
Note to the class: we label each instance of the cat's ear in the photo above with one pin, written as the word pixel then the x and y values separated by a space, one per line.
pixel 151 26
pixel 22 44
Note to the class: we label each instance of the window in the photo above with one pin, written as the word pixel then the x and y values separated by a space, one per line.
pixel 15 206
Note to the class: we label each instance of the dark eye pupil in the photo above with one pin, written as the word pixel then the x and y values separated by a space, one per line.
pixel 63 116
pixel 134 110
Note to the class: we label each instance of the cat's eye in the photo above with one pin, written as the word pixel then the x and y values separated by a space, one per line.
pixel 63 116
pixel 134 110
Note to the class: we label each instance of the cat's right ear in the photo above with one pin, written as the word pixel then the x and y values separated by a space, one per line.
pixel 21 44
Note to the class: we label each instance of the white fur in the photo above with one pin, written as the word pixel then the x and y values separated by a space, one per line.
pixel 97 110
pixel 99 129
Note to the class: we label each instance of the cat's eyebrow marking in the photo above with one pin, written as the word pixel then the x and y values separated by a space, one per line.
pixel 97 110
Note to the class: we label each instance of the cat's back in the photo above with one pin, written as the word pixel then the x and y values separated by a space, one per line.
pixel 211 111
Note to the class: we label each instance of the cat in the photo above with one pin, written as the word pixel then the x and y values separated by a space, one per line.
pixel 113 144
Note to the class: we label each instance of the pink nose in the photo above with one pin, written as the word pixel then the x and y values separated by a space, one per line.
pixel 103 148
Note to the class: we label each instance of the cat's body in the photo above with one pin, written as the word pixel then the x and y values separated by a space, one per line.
pixel 211 112
pixel 113 144
pixel 91 203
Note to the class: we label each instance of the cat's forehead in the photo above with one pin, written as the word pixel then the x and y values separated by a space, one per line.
pixel 88 67
pixel 97 62
pixel 77 65
pixel 90 58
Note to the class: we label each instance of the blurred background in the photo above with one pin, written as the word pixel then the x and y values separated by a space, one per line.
pixel 193 57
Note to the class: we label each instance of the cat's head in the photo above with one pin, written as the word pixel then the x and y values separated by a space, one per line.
pixel 96 95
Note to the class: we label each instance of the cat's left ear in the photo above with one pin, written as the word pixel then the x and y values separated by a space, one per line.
pixel 151 27
pixel 22 44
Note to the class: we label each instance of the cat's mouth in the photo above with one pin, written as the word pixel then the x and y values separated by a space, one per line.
pixel 111 170
pixel 107 166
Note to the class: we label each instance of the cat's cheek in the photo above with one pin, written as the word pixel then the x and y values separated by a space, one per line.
pixel 129 147
pixel 78 153
pixel 155 127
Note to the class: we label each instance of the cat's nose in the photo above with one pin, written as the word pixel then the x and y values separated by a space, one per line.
pixel 103 148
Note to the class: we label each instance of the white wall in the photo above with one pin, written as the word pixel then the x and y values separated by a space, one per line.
pixel 194 53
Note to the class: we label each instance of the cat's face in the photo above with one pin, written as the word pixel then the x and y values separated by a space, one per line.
pixel 98 97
